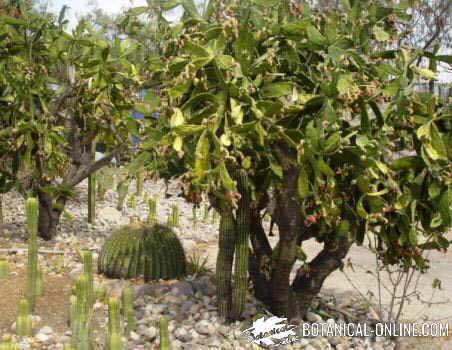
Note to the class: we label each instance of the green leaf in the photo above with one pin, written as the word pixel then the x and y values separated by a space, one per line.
pixel 266 3
pixel 136 11
pixel 202 155
pixel 195 49
pixel 436 221
pixel 226 178
pixel 177 118
pixel 236 112
pixel 303 184
pixel 412 236
pixel 426 73
pixel 177 144
pixel 277 89
pixel 380 34
pixel 224 61
pixel 360 209
pixel 315 36
pixel 444 58
pixel 332 142
pixel 188 129
pixel 324 168
pixel 277 170
pixel 344 83
pixel 424 131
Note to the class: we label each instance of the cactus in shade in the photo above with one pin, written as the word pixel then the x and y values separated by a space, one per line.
pixel 23 320
pixel 4 268
pixel 206 213
pixel 243 223
pixel 32 212
pixel 81 314
pixel 225 259
pixel 92 198
pixel 123 188
pixel 100 293
pixel 152 215
pixel 39 283
pixel 139 183
pixel 7 344
pixel 128 312
pixel 173 219
pixel 87 259
pixel 124 253
pixel 164 334
pixel 114 341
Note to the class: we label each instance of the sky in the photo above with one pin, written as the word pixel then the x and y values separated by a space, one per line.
pixel 81 7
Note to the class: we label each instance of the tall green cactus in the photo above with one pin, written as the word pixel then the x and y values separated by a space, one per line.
pixel 225 259
pixel 173 218
pixel 32 211
pixel 39 283
pixel 4 268
pixel 241 245
pixel 164 334
pixel 132 201
pixel 92 198
pixel 128 312
pixel 194 217
pixel 87 260
pixel 152 215
pixel 81 315
pixel 206 213
pixel 23 320
pixel 114 341
pixel 139 183
pixel 123 188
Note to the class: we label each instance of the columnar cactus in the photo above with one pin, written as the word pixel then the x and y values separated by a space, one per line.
pixel 225 259
pixel 123 254
pixel 92 198
pixel 152 215
pixel 87 259
pixel 241 245
pixel 81 315
pixel 114 341
pixel 173 219
pixel 123 187
pixel 101 293
pixel 164 334
pixel 128 312
pixel 23 320
pixel 139 184
pixel 132 201
pixel 32 265
pixel 68 346
pixel 4 268
pixel 39 283
pixel 194 217
pixel 7 344
pixel 104 181
pixel 206 213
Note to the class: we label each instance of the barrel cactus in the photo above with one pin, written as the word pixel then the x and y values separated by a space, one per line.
pixel 142 249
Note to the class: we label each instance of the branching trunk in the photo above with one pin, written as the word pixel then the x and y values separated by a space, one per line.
pixel 49 214
pixel 307 285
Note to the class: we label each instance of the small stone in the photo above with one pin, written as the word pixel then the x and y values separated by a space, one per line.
pixel 109 214
pixel 312 317
pixel 204 327
pixel 46 330
pixel 182 334
pixel 134 336
pixel 44 338
pixel 182 288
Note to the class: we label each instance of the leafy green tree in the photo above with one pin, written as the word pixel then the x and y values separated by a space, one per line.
pixel 332 138
pixel 59 93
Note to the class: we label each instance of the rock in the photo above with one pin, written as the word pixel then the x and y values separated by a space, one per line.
pixel 204 327
pixel 110 214
pixel 150 332
pixel 182 334
pixel 182 288
pixel 312 317
pixel 205 286
pixel 46 330
pixel 309 347
pixel 134 336
pixel 44 338
pixel 153 289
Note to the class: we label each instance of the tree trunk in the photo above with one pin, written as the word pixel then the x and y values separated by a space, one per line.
pixel 49 215
pixel 307 285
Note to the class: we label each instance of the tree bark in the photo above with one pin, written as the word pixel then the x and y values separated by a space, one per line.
pixel 49 215
pixel 307 285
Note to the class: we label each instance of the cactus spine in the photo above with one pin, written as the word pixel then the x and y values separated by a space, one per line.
pixel 152 216
pixel 164 334
pixel 225 259
pixel 114 341
pixel 128 312
pixel 241 245
pixel 173 219
pixel 23 321
pixel 32 265
pixel 92 198
pixel 4 268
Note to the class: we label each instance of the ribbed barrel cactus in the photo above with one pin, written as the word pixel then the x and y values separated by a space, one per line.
pixel 142 249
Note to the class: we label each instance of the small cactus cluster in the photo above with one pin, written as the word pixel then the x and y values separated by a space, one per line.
pixel 173 219
pixel 122 189
pixel 7 343
pixel 23 320
pixel 4 268
pixel 152 215
pixel 82 302
pixel 32 211
pixel 114 340
pixel 128 312
pixel 141 249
